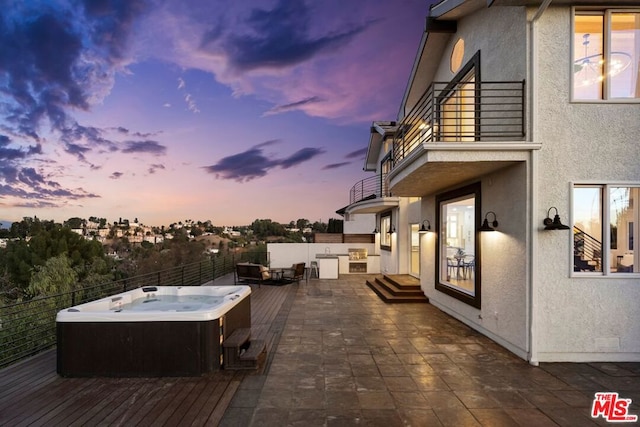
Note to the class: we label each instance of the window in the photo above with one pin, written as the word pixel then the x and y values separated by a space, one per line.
pixel 457 53
pixel 385 235
pixel 599 248
pixel 458 272
pixel 458 104
pixel 606 54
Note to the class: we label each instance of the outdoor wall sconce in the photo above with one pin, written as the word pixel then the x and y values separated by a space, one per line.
pixel 554 224
pixel 375 231
pixel 424 229
pixel 392 229
pixel 485 224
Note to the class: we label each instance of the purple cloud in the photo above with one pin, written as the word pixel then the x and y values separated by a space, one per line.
pixel 278 109
pixel 335 165
pixel 8 154
pixel 356 154
pixel 300 156
pixel 279 38
pixel 253 163
pixel 154 167
pixel 151 147
pixel 116 175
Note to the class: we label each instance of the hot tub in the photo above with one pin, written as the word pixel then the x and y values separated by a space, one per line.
pixel 151 331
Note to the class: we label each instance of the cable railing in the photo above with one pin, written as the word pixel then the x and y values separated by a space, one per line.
pixel 369 188
pixel 29 327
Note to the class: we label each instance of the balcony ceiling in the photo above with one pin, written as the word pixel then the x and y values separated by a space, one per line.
pixel 376 205
pixel 430 172
pixel 436 177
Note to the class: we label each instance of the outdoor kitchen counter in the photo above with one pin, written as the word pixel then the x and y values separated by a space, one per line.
pixel 328 266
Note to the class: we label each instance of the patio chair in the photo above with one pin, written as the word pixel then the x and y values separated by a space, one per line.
pixel 294 274
pixel 468 266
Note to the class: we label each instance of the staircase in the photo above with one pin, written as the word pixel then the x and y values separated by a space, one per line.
pixel 587 251
pixel 397 288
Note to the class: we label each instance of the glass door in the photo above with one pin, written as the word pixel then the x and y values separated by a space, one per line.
pixel 415 251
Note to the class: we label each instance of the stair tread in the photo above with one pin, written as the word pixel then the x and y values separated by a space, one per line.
pixel 255 349
pixel 393 287
pixel 388 296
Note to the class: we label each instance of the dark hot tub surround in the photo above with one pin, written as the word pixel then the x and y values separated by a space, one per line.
pixel 151 331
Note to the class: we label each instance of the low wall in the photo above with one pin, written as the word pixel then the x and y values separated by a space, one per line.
pixel 286 254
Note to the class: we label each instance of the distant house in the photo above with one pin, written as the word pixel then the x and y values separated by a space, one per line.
pixel 231 232
pixel 509 181
pixel 154 238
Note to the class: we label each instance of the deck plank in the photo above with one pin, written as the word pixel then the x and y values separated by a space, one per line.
pixel 208 405
pixel 31 392
pixel 223 403
pixel 117 391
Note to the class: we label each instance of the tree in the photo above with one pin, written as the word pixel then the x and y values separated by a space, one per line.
pixel 21 259
pixel 302 223
pixel 74 222
pixel 319 227
pixel 335 226
pixel 55 276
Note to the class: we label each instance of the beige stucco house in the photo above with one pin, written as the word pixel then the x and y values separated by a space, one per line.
pixel 516 111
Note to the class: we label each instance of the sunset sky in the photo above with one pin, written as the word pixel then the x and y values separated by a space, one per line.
pixel 221 110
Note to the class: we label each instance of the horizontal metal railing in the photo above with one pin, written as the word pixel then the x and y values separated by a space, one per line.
pixel 464 112
pixel 29 327
pixel 369 188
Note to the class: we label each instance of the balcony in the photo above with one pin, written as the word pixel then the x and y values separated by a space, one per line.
pixel 464 112
pixel 369 188
pixel 370 195
pixel 458 132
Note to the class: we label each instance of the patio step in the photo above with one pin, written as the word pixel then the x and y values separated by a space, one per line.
pixel 399 288
pixel 241 352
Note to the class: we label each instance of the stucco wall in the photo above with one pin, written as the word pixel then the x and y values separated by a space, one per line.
pixel 503 262
pixel 577 318
pixel 500 35
pixel 359 224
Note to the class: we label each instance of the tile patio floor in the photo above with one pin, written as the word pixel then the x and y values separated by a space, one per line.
pixel 346 358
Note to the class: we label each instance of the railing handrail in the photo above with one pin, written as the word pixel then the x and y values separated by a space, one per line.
pixel 588 240
pixel 463 112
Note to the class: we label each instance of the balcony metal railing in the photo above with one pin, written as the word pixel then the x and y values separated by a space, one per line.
pixel 587 251
pixel 464 112
pixel 29 327
pixel 369 188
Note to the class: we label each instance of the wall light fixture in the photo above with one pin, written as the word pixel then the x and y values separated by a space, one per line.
pixel 485 224
pixel 424 229
pixel 554 224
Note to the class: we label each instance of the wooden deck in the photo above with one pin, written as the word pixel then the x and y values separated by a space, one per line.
pixel 31 393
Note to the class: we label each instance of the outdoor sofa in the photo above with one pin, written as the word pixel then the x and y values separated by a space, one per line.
pixel 251 273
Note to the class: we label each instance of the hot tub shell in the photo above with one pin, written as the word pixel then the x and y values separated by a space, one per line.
pixel 98 339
